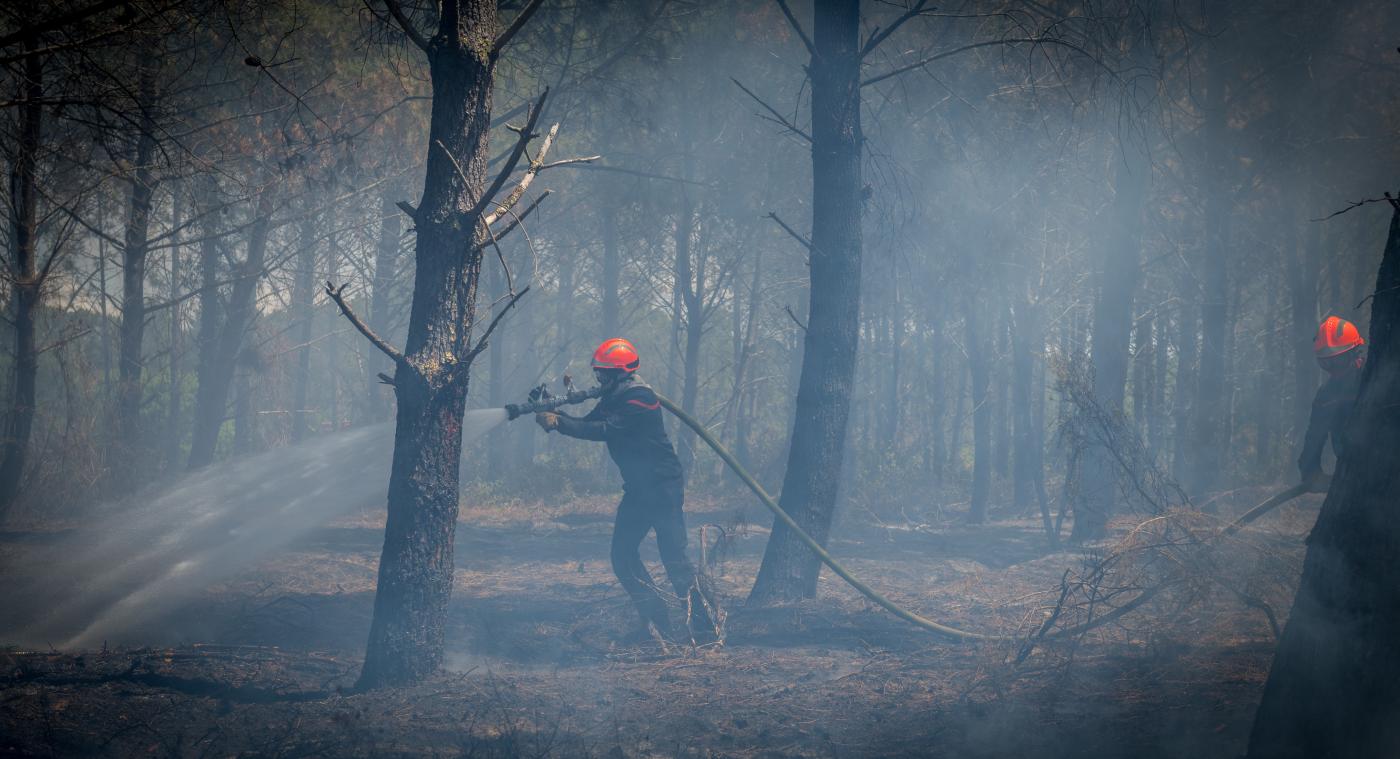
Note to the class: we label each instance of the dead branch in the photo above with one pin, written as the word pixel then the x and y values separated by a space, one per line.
pixel 405 23
pixel 516 25
pixel 777 117
pixel 336 294
pixel 526 133
pixel 805 242
pixel 796 27
pixel 1355 204
pixel 516 220
pixel 569 162
pixel 481 344
pixel 878 35
pixel 534 169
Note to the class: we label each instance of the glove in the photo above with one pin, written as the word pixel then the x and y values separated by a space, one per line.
pixel 547 420
pixel 1317 481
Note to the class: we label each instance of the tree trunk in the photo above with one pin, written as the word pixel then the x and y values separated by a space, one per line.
pixel 386 269
pixel 303 300
pixel 1118 277
pixel 1340 638
pixel 979 372
pixel 430 381
pixel 1212 403
pixel 27 282
pixel 789 569
pixel 125 458
pixel 1302 287
pixel 176 397
pixel 612 275
pixel 216 378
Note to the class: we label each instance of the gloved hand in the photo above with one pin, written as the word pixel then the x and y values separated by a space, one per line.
pixel 547 420
pixel 1317 481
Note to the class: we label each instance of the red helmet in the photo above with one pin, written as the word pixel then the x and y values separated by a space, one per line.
pixel 1335 337
pixel 617 354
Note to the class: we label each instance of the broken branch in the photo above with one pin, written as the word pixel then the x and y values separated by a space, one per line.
pixel 776 116
pixel 337 294
pixel 515 195
pixel 526 134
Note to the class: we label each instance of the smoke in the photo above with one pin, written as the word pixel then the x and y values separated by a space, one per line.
pixel 135 560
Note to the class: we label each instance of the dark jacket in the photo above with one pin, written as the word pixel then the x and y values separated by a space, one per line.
pixel 629 420
pixel 1330 409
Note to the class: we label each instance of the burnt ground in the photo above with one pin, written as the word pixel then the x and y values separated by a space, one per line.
pixel 262 665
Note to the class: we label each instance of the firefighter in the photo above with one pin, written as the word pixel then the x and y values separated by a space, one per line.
pixel 628 418
pixel 1340 352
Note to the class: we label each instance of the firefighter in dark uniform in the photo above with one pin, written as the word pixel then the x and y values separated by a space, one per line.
pixel 628 418
pixel 1339 351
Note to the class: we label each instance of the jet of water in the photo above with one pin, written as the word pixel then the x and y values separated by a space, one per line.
pixel 137 559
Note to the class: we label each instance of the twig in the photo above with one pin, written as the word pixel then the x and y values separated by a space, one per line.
pixel 776 116
pixel 481 344
pixel 393 353
pixel 794 318
pixel 1359 203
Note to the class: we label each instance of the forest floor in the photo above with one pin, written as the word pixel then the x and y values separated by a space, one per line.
pixel 262 665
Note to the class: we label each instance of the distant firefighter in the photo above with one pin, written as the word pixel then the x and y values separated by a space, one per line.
pixel 628 418
pixel 1340 352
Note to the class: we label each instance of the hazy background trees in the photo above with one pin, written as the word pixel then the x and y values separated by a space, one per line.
pixel 1130 186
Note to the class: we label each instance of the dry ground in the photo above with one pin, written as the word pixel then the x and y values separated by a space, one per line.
pixel 261 665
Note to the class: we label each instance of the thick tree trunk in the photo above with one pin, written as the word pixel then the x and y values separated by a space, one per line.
pixel 216 377
pixel 26 281
pixel 789 569
pixel 1334 687
pixel 415 569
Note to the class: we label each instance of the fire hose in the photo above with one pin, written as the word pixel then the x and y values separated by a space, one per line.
pixel 540 400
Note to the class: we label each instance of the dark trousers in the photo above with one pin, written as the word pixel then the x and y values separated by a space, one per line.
pixel 643 509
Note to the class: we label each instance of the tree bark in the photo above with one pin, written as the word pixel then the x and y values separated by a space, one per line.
pixel 27 281
pixel 1334 687
pixel 430 380
pixel 789 570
